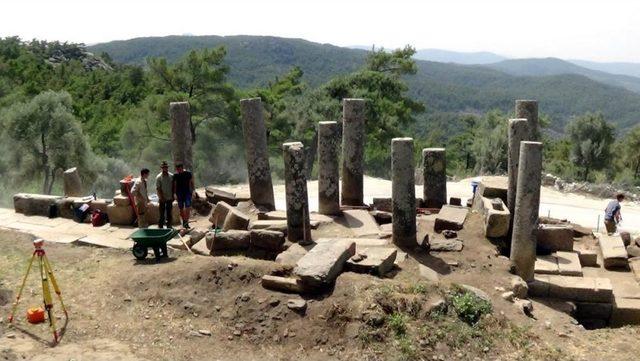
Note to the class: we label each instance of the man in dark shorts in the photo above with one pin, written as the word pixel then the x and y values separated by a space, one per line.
pixel 612 214
pixel 183 188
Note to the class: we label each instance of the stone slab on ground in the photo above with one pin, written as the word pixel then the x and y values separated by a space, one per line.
pixel 626 311
pixel 229 240
pixel 215 195
pixel 374 260
pixel 554 237
pixel 276 225
pixel 360 242
pixel 361 223
pixel 445 245
pixel 580 289
pixel 428 273
pixel 614 253
pixel 568 263
pixel 634 264
pixel 235 219
pixel 451 218
pixel 324 262
pixel 281 284
pixel 269 240
pixel 547 264
pixel 104 241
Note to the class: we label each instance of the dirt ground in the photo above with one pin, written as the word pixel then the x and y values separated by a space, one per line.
pixel 195 308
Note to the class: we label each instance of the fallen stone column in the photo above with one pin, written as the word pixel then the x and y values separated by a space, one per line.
pixel 298 225
pixel 528 109
pixel 353 137
pixel 525 218
pixel 257 155
pixel 72 184
pixel 518 132
pixel 328 169
pixel 323 263
pixel 181 136
pixel 403 192
pixel 434 168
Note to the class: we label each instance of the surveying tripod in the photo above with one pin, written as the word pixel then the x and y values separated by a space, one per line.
pixel 46 274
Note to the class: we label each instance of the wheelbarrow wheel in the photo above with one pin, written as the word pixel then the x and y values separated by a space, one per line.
pixel 139 252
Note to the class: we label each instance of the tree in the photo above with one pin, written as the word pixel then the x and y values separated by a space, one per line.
pixel 490 143
pixel 591 139
pixel 631 151
pixel 49 138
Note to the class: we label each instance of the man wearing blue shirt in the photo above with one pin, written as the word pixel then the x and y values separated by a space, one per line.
pixel 612 214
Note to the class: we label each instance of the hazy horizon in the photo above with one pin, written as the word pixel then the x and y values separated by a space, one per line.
pixel 590 30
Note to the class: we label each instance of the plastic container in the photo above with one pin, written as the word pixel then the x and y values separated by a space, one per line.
pixel 35 315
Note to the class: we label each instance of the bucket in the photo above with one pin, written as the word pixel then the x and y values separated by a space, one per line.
pixel 35 315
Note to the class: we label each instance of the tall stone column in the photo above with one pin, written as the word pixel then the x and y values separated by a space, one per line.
pixel 353 136
pixel 181 136
pixel 256 153
pixel 434 168
pixel 528 109
pixel 525 217
pixel 328 169
pixel 518 132
pixel 298 225
pixel 403 196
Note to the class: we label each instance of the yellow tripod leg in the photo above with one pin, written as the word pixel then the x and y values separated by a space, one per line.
pixel 24 281
pixel 54 283
pixel 48 301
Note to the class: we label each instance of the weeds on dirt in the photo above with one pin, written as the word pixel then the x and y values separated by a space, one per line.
pixel 469 307
pixel 398 323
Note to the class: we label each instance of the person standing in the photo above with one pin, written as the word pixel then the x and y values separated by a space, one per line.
pixel 141 197
pixel 612 215
pixel 183 187
pixel 164 188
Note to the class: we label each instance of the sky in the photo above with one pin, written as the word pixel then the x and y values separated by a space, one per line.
pixel 596 30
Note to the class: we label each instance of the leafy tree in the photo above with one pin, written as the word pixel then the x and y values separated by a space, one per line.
pixel 591 139
pixel 490 145
pixel 49 138
pixel 630 151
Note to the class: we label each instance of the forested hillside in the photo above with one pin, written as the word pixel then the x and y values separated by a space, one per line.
pixel 442 87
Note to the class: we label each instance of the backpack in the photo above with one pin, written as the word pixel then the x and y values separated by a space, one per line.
pixel 98 218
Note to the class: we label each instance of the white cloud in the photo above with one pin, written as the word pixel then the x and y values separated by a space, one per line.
pixel 595 30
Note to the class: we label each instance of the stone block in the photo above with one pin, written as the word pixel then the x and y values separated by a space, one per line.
pixel 588 257
pixel 626 238
pixel 281 284
pixel 228 240
pixel 374 260
pixel 273 215
pixel 633 250
pixel 361 243
pixel 451 218
pixel 552 238
pixel 99 204
pixel 614 253
pixel 65 207
pixel 215 195
pixel 382 217
pixel 490 187
pixel 292 255
pixel 153 213
pixel 445 245
pixel 121 201
pixel 269 240
pixel 382 204
pixel 324 262
pixel 268 224
pixel 235 220
pixel 546 265
pixel 119 215
pixel 428 273
pixel 580 289
pixel 361 223
pixel 519 287
pixel 455 201
pixel 33 204
pixel 219 214
pixel 568 263
pixel 634 264
pixel 626 311
pixel 496 217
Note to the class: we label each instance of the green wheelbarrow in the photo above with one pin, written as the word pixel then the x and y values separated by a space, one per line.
pixel 154 238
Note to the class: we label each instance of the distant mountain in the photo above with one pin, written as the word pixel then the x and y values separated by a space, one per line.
pixel 563 90
pixel 447 56
pixel 554 66
pixel 631 69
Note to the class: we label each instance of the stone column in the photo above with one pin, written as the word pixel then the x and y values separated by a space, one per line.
pixel 403 196
pixel 181 137
pixel 72 184
pixel 434 168
pixel 525 217
pixel 256 153
pixel 298 225
pixel 353 135
pixel 518 131
pixel 328 169
pixel 528 109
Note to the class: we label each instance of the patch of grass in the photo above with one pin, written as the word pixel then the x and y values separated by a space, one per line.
pixel 418 288
pixel 469 307
pixel 406 348
pixel 398 323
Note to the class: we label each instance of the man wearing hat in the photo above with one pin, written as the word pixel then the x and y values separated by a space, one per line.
pixel 164 188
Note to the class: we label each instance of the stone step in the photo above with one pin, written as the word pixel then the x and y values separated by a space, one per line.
pixel 614 253
pixel 626 311
pixel 362 223
pixel 569 263
pixel 580 289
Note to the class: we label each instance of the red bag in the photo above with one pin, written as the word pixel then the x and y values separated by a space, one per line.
pixel 98 218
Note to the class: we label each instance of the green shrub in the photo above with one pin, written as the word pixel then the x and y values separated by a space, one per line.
pixel 398 323
pixel 469 307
